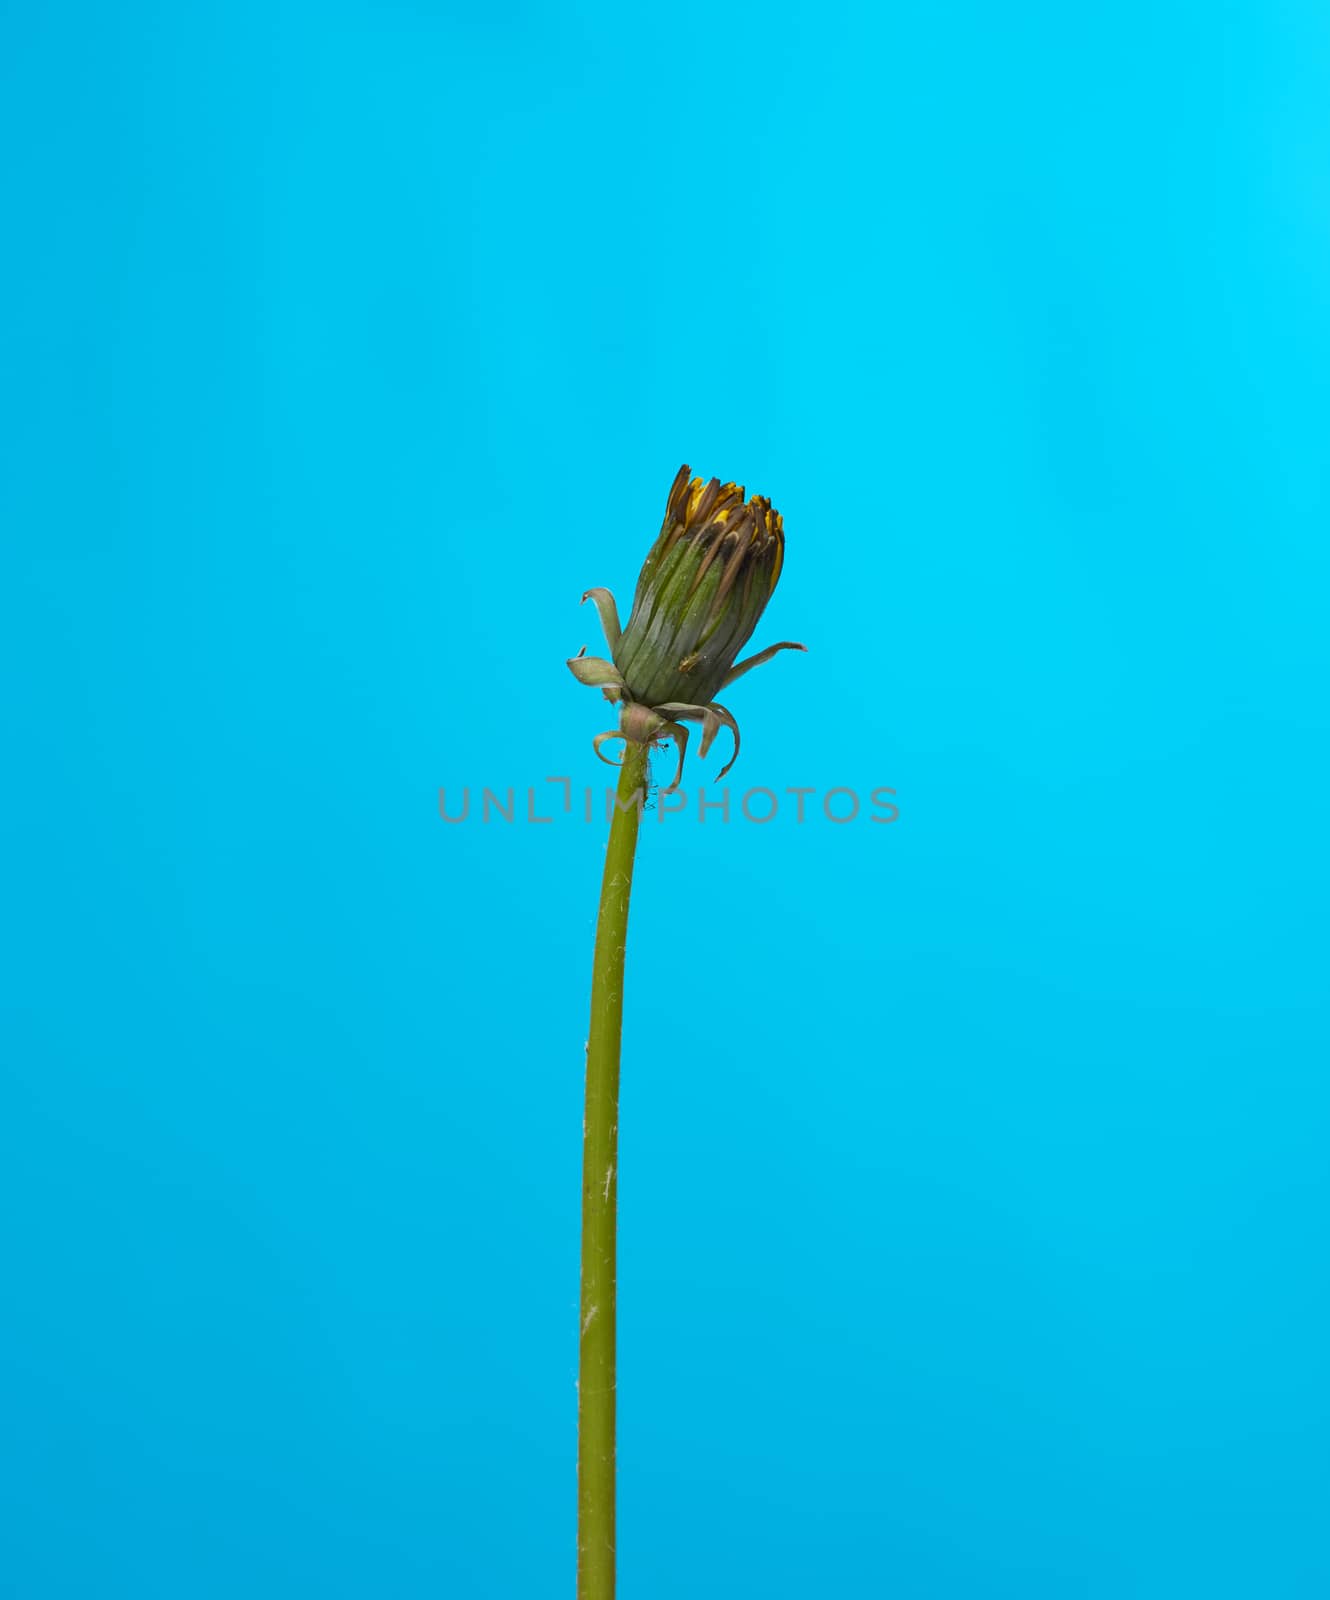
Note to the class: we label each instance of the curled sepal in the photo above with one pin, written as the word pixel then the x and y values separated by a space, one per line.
pixel 677 732
pixel 609 615
pixel 713 718
pixel 724 716
pixel 594 670
pixel 602 738
pixel 688 713
pixel 759 659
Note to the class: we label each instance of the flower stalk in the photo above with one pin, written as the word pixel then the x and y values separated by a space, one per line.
pixel 600 1188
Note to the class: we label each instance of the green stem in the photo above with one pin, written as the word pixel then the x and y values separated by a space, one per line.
pixel 600 1193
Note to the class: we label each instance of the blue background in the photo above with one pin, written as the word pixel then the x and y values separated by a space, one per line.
pixel 974 1181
